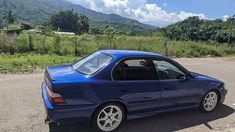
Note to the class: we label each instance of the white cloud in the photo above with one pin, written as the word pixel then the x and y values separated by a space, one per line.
pixel 137 9
pixel 183 15
pixel 225 17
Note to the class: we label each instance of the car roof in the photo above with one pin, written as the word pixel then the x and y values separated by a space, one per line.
pixel 130 53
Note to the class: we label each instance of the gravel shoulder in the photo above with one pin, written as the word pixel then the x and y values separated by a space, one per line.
pixel 21 107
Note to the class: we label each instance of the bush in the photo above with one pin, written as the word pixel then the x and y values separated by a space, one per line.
pixel 196 51
pixel 14 27
pixel 7 44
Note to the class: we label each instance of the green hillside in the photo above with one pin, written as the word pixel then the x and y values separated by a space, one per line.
pixel 38 11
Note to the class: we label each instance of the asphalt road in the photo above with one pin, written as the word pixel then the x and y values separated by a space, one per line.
pixel 21 107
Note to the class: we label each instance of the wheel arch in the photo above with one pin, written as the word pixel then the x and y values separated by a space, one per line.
pixel 124 106
pixel 201 106
pixel 215 90
pixel 218 93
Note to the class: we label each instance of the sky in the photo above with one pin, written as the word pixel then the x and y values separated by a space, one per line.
pixel 162 12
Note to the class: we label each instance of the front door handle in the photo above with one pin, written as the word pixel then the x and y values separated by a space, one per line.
pixel 166 88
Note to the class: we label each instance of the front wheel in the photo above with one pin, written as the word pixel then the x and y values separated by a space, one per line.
pixel 209 101
pixel 108 117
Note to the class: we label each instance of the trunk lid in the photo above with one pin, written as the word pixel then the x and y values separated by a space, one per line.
pixel 64 73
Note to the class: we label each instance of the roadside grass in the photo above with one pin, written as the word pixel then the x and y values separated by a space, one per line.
pixel 26 63
pixel 65 45
pixel 27 52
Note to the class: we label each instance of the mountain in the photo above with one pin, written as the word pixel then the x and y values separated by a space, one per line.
pixel 38 11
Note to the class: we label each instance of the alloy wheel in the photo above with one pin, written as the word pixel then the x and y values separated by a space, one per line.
pixel 109 118
pixel 210 101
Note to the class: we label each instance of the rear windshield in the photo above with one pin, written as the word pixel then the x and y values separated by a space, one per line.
pixel 92 63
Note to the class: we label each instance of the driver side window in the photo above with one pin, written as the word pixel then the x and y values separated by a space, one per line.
pixel 167 71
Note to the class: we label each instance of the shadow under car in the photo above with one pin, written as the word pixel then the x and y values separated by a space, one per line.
pixel 164 122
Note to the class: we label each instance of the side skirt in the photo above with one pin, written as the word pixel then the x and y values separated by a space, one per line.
pixel 146 114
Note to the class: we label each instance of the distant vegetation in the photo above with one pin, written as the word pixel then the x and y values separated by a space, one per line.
pixel 27 51
pixel 69 21
pixel 82 45
pixel 37 12
pixel 202 30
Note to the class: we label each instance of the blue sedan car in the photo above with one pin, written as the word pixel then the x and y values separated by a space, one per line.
pixel 110 86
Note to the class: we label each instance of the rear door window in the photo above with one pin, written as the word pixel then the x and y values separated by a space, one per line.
pixel 135 69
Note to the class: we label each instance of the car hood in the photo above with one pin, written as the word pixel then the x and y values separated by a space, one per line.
pixel 204 77
pixel 64 73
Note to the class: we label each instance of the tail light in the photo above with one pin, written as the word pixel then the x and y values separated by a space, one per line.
pixel 54 97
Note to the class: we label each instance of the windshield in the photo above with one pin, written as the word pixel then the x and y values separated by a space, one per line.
pixel 92 63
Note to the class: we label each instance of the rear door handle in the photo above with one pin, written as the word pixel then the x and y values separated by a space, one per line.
pixel 146 97
pixel 124 90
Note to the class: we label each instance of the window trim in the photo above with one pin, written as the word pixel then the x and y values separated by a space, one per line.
pixel 133 57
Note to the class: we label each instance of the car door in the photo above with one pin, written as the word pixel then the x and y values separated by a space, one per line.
pixel 136 80
pixel 178 90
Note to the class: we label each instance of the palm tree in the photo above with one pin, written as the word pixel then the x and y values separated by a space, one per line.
pixel 9 17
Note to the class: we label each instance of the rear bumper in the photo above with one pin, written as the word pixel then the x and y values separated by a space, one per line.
pixel 66 114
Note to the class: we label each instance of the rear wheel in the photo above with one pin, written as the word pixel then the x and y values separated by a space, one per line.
pixel 209 101
pixel 108 117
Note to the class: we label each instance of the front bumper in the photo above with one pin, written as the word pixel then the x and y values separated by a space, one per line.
pixel 223 94
pixel 65 114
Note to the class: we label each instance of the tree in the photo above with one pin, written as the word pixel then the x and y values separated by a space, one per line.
pixel 95 31
pixel 9 17
pixel 83 23
pixel 1 24
pixel 70 21
pixel 196 29
pixel 11 10
pixel 110 34
pixel 222 36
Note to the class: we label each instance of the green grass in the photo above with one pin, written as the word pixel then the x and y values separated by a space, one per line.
pixel 29 62
pixel 65 45
pixel 18 53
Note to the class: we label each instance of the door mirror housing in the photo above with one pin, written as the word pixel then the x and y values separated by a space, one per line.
pixel 143 63
pixel 190 76
pixel 182 77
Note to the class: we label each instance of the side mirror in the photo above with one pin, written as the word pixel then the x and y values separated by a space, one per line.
pixel 142 63
pixel 190 76
pixel 182 77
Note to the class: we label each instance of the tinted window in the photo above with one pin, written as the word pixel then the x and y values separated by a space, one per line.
pixel 167 70
pixel 134 69
pixel 135 63
pixel 92 63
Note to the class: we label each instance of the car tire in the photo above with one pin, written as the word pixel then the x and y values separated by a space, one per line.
pixel 108 118
pixel 209 101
